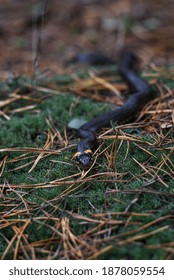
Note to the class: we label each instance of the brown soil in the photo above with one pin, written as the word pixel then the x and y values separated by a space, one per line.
pixel 29 40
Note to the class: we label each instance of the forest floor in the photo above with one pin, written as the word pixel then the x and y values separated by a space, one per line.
pixel 122 206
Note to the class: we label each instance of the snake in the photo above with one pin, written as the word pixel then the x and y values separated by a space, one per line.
pixel 91 59
pixel 140 93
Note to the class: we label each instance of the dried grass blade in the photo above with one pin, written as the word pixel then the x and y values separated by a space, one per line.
pixel 23 109
pixel 8 101
pixel 107 85
pixel 2 165
pixel 19 232
pixel 48 144
pixel 30 150
pixel 5 116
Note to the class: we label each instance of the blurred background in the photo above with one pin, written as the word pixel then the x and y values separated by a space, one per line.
pixel 45 34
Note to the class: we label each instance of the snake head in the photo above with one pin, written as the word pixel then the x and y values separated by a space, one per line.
pixel 84 159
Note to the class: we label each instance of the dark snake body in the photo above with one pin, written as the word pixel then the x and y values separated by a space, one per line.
pixel 140 94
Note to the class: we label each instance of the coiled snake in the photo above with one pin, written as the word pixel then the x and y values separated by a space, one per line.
pixel 140 93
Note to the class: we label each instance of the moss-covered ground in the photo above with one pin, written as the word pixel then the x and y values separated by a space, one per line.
pixel 122 207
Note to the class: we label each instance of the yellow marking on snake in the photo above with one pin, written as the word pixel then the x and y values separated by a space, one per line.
pixel 79 153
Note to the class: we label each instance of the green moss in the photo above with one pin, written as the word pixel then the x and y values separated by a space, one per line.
pixel 85 198
pixel 133 252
